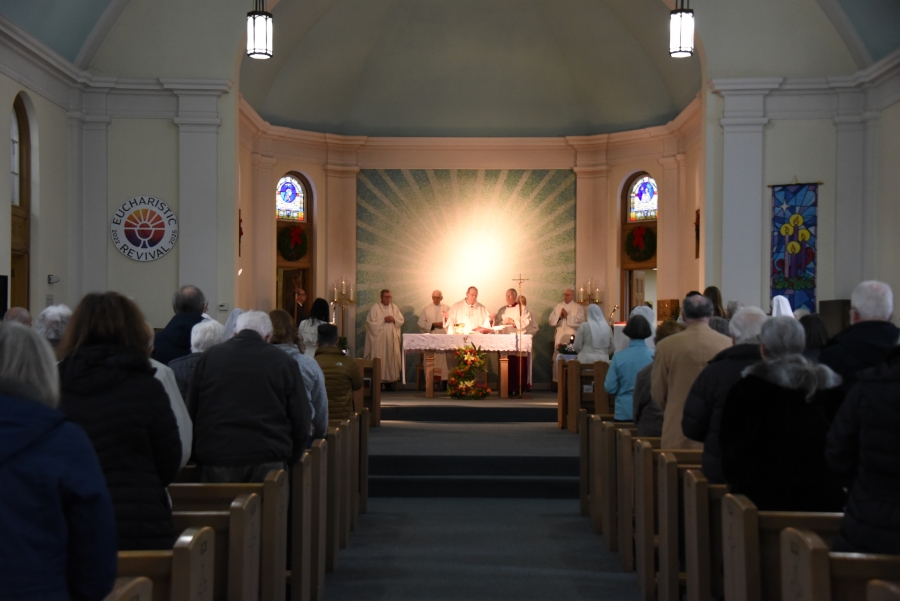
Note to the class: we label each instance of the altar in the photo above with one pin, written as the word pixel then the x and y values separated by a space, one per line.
pixel 500 343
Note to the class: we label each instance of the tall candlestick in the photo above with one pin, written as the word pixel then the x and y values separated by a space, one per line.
pixel 581 294
pixel 335 294
pixel 343 286
pixel 597 295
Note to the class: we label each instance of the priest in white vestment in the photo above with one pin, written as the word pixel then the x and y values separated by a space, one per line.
pixel 434 321
pixel 471 314
pixel 565 317
pixel 383 327
pixel 513 320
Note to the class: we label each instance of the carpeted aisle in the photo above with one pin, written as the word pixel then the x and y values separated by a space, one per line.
pixel 416 549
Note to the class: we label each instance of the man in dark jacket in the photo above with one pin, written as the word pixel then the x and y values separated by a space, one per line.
pixel 249 405
pixel 204 336
pixel 870 336
pixel 863 449
pixel 342 375
pixel 703 409
pixel 175 339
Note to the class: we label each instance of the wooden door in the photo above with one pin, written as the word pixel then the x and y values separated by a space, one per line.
pixel 637 289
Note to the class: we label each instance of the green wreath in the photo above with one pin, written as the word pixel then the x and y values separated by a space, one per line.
pixel 292 243
pixel 640 244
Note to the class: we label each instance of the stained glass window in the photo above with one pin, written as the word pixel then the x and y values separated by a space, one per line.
pixel 290 200
pixel 643 200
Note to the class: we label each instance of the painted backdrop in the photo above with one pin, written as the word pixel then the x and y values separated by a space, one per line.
pixel 419 230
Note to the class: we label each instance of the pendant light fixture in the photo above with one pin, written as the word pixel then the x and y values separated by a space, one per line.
pixel 259 31
pixel 681 30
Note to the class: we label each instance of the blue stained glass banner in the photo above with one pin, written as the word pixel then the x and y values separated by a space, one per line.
pixel 794 244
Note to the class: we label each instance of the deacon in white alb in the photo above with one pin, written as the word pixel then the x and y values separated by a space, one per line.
pixel 566 318
pixel 509 316
pixel 470 313
pixel 383 337
pixel 434 321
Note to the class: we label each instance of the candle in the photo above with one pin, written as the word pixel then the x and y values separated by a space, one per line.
pixel 581 294
pixel 597 295
pixel 590 286
pixel 343 286
pixel 352 294
pixel 335 294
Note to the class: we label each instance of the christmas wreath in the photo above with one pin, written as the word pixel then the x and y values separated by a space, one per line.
pixel 292 243
pixel 640 244
pixel 463 382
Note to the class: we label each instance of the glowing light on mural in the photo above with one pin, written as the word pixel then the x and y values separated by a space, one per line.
pixel 418 230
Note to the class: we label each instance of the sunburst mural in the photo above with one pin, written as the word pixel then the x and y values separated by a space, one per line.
pixel 420 230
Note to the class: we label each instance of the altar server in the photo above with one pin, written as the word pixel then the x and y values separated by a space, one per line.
pixel 383 327
pixel 434 321
pixel 470 313
pixel 565 317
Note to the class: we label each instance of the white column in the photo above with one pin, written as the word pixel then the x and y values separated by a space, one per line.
pixel 75 216
pixel 198 191
pixel 95 194
pixel 668 234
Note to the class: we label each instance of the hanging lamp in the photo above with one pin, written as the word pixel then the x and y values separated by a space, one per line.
pixel 681 30
pixel 259 32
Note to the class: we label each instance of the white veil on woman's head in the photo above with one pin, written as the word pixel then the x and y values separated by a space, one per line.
pixel 599 328
pixel 781 306
pixel 231 324
pixel 648 314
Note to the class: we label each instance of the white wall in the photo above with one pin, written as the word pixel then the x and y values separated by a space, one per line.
pixel 888 240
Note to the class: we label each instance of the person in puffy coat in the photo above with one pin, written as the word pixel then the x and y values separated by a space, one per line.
pixel 863 449
pixel 58 538
pixel 342 375
pixel 108 388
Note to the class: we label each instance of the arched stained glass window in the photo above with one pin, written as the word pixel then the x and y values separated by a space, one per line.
pixel 290 199
pixel 643 199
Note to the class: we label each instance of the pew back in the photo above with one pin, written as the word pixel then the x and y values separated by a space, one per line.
pixel 318 454
pixel 605 494
pixel 369 396
pixel 335 440
pixel 703 537
pixel 882 590
pixel 625 487
pixel 670 482
pixel 811 573
pixel 183 574
pixel 131 589
pixel 301 527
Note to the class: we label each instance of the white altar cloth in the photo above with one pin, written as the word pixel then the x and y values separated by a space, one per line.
pixel 419 343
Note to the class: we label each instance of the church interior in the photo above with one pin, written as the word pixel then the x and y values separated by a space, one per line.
pixel 420 145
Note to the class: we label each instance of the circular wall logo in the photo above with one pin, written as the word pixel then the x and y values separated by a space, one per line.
pixel 144 228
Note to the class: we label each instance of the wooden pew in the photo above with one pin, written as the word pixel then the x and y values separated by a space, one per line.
pixel 318 456
pixel 811 573
pixel 584 462
pixel 369 396
pixel 625 451
pixel 237 553
pixel 364 421
pixel 703 537
pixel 274 529
pixel 646 493
pixel 183 574
pixel 604 493
pixel 597 402
pixel 562 396
pixel 334 482
pixel 752 547
pixel 881 590
pixel 670 473
pixel 346 476
pixel 139 588
pixel 353 485
pixel 301 529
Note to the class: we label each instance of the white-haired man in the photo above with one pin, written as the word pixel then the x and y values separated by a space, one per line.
pixel 51 323
pixel 703 408
pixel 565 317
pixel 250 408
pixel 204 336
pixel 433 320
pixel 383 327
pixel 870 336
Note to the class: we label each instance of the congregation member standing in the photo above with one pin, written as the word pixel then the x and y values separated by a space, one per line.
pixel 627 364
pixel 284 336
pixel 647 415
pixel 434 321
pixel 383 327
pixel 679 359
pixel 58 529
pixel 594 340
pixel 703 409
pixel 863 450
pixel 308 330
pixel 174 340
pixel 249 405
pixel 204 336
pixel 165 376
pixel 515 317
pixel 342 376
pixel 471 314
pixel 869 338
pixel 774 424
pixel 107 388
pixel 18 314
pixel 51 324
pixel 565 318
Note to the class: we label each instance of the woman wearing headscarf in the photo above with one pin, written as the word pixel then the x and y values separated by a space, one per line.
pixel 231 324
pixel 781 306
pixel 648 314
pixel 593 340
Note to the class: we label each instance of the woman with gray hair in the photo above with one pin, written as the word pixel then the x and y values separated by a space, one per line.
pixel 774 424
pixel 59 531
pixel 51 323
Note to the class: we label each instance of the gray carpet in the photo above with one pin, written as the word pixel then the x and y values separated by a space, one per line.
pixel 476 549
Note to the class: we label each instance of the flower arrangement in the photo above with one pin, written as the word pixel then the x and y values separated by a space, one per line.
pixel 566 349
pixel 462 383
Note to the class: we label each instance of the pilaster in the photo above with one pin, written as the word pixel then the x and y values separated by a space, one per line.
pixel 95 192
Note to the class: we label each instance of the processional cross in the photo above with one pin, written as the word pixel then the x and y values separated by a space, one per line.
pixel 519 332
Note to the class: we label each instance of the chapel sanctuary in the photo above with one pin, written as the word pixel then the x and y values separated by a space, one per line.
pixel 594 155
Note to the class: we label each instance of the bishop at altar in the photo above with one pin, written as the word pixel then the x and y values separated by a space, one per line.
pixel 383 327
pixel 565 317
pixel 434 321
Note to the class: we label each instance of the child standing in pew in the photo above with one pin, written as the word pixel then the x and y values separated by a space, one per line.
pixel 58 538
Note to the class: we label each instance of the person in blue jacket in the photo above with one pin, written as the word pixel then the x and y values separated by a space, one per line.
pixel 626 364
pixel 57 529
